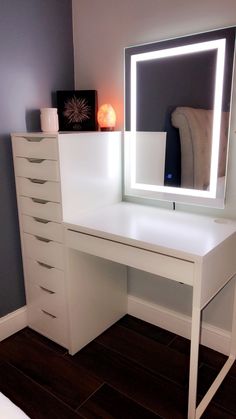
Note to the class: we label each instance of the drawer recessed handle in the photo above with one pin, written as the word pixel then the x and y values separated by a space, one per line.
pixel 36 139
pixel 48 314
pixel 33 139
pixel 41 181
pixel 41 220
pixel 34 160
pixel 42 239
pixel 39 201
pixel 46 290
pixel 44 265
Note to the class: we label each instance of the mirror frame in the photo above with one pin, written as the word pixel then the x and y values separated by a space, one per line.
pixel 157 51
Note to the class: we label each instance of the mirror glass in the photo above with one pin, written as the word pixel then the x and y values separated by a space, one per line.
pixel 177 101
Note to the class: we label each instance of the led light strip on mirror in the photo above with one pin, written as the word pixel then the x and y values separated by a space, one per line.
pixel 219 46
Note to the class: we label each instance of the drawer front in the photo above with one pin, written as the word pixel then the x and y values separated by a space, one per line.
pixel 46 276
pixel 49 301
pixel 42 209
pixel 47 315
pixel 42 189
pixel 36 147
pixel 48 252
pixel 156 263
pixel 43 228
pixel 37 168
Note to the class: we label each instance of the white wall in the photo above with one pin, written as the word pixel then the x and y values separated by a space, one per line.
pixel 102 28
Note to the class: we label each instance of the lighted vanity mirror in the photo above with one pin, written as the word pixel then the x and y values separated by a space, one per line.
pixel 177 101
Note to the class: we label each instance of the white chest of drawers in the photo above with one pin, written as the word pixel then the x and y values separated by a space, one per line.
pixel 92 175
pixel 37 174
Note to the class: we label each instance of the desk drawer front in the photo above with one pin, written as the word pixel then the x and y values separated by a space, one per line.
pixel 49 301
pixel 45 276
pixel 42 189
pixel 36 147
pixel 47 315
pixel 53 328
pixel 43 228
pixel 50 253
pixel 41 209
pixel 156 263
pixel 37 168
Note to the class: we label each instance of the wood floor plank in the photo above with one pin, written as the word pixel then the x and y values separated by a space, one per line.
pixel 206 355
pixel 148 353
pixel 109 403
pixel 124 372
pixel 32 335
pixel 157 394
pixel 225 396
pixel 213 412
pixel 146 329
pixel 32 398
pixel 65 380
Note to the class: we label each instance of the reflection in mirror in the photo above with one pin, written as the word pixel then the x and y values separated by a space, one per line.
pixel 148 164
pixel 179 90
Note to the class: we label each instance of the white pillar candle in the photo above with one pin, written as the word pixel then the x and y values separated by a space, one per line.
pixel 49 119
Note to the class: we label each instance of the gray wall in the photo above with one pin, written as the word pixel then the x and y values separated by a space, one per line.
pixel 36 59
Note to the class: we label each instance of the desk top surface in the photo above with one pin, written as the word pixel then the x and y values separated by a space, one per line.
pixel 174 233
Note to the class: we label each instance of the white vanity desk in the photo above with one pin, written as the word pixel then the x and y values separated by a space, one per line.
pixel 195 250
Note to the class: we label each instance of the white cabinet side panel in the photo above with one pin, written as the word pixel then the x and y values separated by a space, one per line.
pixel 97 291
pixel 90 165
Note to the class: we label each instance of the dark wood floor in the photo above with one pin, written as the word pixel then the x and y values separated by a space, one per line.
pixel 133 370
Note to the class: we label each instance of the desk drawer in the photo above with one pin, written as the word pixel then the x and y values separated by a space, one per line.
pixel 37 188
pixel 46 300
pixel 37 168
pixel 47 315
pixel 37 147
pixel 156 263
pixel 48 252
pixel 41 209
pixel 43 228
pixel 45 276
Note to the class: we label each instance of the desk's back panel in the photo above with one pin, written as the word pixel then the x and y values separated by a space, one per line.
pixel 90 166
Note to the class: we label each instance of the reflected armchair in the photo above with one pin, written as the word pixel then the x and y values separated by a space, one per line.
pixel 195 131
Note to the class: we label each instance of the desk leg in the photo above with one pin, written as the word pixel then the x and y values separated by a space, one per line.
pixel 193 369
pixel 196 324
pixel 233 335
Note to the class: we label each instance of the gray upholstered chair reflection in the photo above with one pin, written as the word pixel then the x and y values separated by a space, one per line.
pixel 195 130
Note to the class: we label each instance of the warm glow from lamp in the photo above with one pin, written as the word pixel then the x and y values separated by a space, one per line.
pixel 106 117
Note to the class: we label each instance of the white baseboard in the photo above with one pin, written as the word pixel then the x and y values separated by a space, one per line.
pixel 13 322
pixel 211 336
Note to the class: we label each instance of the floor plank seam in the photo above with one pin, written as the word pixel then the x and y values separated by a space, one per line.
pixel 147 336
pixel 132 364
pixel 92 394
pixel 133 400
pixel 47 345
pixel 147 370
pixel 214 400
pixel 42 387
pixel 171 342
pixel 69 358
